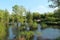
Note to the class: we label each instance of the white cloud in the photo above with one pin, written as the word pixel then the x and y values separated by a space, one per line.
pixel 56 8
pixel 43 9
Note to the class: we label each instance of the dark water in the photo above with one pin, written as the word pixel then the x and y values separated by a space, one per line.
pixel 48 33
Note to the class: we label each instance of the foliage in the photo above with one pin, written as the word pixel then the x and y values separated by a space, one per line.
pixel 18 11
pixel 57 13
pixel 36 15
pixel 2 31
pixel 22 28
pixel 30 18
pixel 43 25
pixel 1 15
pixel 34 25
pixel 55 3
pixel 52 19
pixel 27 35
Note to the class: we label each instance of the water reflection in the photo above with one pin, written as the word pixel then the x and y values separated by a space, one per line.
pixel 48 33
pixel 12 30
pixel 37 32
pixel 11 35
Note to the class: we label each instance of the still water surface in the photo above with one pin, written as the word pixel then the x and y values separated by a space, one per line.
pixel 49 33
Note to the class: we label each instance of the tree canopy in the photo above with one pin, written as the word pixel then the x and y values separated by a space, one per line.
pixel 55 3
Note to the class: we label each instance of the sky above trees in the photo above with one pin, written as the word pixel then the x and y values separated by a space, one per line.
pixel 32 5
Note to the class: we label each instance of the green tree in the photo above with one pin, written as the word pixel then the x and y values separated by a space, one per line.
pixel 3 23
pixel 6 21
pixel 55 3
pixel 1 15
pixel 29 17
pixel 57 13
pixel 36 15
pixel 19 11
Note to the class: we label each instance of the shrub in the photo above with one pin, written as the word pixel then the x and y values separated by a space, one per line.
pixel 2 31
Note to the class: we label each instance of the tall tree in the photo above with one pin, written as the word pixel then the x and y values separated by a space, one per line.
pixel 6 21
pixel 36 15
pixel 56 3
pixel 57 13
pixel 3 28
pixel 29 17
pixel 18 12
pixel 1 15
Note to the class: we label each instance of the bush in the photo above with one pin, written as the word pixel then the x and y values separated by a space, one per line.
pixel 43 25
pixel 28 34
pixel 2 31
pixel 34 25
pixel 51 19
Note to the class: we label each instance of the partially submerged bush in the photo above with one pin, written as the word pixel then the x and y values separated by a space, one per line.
pixel 26 34
pixel 43 25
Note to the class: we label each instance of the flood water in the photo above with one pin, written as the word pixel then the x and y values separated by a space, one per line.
pixel 48 33
pixel 11 35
